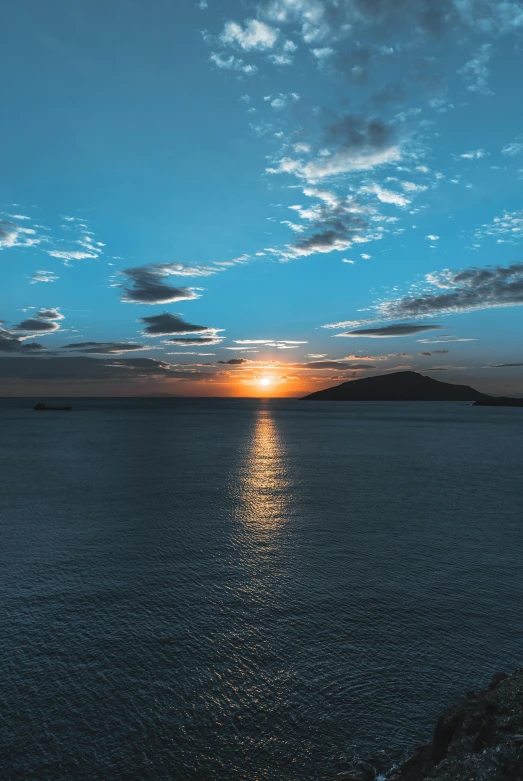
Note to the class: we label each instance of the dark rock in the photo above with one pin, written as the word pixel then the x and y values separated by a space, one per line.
pixel 480 739
pixel 496 680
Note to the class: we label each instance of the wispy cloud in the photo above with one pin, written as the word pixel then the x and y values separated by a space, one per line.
pixel 507 229
pixel 465 290
pixel 332 223
pixel 356 144
pixel 279 344
pixel 69 255
pixel 384 195
pixel 12 235
pixel 513 149
pixel 474 154
pixel 71 369
pixel 43 276
pixel 503 365
pixel 195 341
pixel 104 348
pixel 476 70
pixel 232 63
pixel 341 365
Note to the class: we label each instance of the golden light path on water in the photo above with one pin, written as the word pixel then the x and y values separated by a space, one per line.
pixel 255 678
pixel 264 482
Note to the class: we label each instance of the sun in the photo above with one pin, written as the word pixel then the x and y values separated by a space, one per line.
pixel 265 381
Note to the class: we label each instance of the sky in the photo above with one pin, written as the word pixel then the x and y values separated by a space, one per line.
pixel 237 198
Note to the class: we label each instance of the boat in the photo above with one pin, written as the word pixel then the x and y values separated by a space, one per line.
pixel 52 407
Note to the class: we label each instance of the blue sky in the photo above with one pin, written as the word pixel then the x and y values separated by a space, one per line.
pixel 317 190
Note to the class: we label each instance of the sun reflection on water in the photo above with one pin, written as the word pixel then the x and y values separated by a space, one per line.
pixel 248 655
pixel 264 489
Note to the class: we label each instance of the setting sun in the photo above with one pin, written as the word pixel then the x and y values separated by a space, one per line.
pixel 265 381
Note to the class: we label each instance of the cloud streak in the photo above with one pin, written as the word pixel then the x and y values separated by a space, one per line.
pixel 168 324
pixel 466 290
pixel 147 284
pixel 104 348
pixel 388 331
pixel 13 343
pixel 356 143
pixel 85 369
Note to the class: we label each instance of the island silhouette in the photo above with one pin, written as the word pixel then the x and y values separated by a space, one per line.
pixel 407 386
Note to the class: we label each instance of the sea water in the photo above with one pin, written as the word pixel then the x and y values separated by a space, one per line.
pixel 248 589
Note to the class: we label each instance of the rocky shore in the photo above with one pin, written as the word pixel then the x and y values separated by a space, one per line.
pixel 480 739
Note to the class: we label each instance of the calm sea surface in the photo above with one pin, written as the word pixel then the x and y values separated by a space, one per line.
pixel 217 589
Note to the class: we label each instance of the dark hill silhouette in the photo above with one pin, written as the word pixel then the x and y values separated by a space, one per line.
pixel 398 386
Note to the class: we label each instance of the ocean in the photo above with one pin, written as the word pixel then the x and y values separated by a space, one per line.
pixel 249 589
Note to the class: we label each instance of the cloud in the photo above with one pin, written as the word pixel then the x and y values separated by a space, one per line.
pixel 323 52
pixel 8 234
pixel 346 160
pixel 443 368
pixel 332 223
pixel 386 331
pixel 385 196
pixel 234 362
pixel 282 100
pixel 167 324
pixel 43 276
pixel 516 148
pixel 474 154
pixel 50 313
pixel 232 63
pixel 46 321
pixel 477 70
pixel 12 235
pixel 104 348
pixel 280 59
pixel 358 144
pixel 502 365
pixel 279 344
pixel 412 187
pixel 508 229
pixel 11 343
pixel 196 341
pixel 334 365
pixel 71 254
pixel 444 339
pixel 146 284
pixel 84 368
pixel 353 64
pixel 33 325
pixel 255 35
pixel 322 20
pixel 466 290
pixel 390 93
